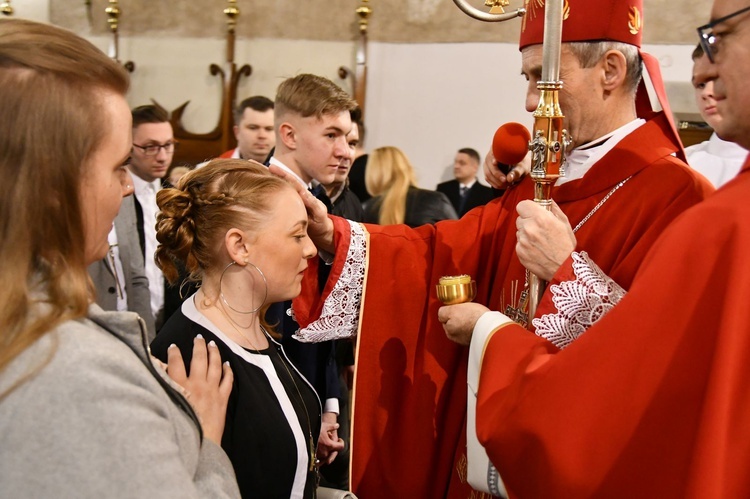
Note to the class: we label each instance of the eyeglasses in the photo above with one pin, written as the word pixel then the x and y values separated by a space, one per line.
pixel 710 41
pixel 153 149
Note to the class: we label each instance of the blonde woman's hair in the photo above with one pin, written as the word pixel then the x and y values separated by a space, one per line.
pixel 389 174
pixel 52 120
pixel 207 202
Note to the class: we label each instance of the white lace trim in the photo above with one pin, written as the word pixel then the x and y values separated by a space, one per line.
pixel 340 315
pixel 579 303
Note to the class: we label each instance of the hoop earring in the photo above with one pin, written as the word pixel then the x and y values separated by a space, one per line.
pixel 223 299
pixel 185 282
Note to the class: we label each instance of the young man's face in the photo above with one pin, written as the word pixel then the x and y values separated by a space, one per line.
pixel 255 135
pixel 352 138
pixel 322 145
pixel 149 136
pixel 704 92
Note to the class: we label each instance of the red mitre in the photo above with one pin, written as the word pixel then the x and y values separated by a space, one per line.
pixel 587 20
pixel 595 20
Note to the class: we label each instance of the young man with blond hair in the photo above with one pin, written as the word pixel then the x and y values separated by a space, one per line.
pixel 312 120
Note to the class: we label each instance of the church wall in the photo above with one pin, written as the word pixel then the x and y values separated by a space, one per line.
pixel 427 98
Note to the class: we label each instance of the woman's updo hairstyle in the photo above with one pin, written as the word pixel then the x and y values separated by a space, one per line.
pixel 207 202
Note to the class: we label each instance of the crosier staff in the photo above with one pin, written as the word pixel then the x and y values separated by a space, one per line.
pixel 549 139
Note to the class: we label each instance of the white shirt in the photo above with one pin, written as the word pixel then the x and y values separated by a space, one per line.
pixel 718 160
pixel 145 193
pixel 582 158
pixel 467 185
pixel 281 165
pixel 115 265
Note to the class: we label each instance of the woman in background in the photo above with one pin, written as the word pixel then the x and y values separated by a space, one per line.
pixel 83 411
pixel 242 232
pixel 390 178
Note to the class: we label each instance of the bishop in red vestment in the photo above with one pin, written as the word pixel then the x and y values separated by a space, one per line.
pixel 652 401
pixel 410 381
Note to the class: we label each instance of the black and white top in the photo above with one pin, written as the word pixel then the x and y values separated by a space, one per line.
pixel 267 432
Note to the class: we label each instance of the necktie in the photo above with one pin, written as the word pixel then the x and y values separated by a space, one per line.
pixel 463 190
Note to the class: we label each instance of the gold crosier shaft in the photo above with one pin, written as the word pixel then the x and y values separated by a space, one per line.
pixel 549 140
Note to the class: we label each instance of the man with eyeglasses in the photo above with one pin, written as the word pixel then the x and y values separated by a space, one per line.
pixel 153 147
pixel 718 160
pixel 653 400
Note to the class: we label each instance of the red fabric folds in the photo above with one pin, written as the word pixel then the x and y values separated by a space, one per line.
pixel 652 400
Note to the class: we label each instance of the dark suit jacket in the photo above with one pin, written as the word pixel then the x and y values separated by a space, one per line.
pixel 348 205
pixel 478 195
pixel 136 282
pixel 357 178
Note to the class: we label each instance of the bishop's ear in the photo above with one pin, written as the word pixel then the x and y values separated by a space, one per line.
pixel 615 68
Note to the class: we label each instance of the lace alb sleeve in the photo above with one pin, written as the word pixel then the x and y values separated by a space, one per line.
pixel 579 303
pixel 340 315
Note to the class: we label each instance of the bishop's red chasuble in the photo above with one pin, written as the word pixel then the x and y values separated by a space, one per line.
pixel 654 399
pixel 408 429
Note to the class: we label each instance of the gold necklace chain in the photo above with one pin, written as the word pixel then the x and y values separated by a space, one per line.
pixel 234 325
pixel 599 205
pixel 313 452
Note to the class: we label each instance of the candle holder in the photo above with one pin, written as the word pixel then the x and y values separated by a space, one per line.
pixel 363 12
pixel 359 76
pixel 6 8
pixel 232 12
pixel 113 21
pixel 456 289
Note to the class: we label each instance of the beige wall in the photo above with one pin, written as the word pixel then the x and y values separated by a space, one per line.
pixel 427 98
pixel 394 21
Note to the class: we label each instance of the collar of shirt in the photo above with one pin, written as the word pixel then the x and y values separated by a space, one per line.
pixel 582 158
pixel 468 185
pixel 725 149
pixel 281 165
pixel 141 187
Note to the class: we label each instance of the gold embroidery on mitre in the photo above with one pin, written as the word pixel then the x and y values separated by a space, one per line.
pixel 532 5
pixel 634 21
